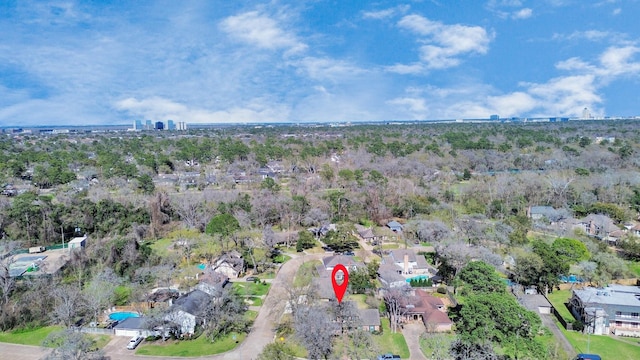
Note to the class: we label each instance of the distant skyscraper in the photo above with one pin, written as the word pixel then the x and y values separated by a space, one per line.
pixel 171 125
pixel 182 125
pixel 137 125
pixel 159 125
pixel 586 114
pixel 149 125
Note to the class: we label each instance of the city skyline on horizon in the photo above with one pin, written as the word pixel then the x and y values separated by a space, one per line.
pixel 72 62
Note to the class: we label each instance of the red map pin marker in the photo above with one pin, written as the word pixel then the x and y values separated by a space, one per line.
pixel 341 288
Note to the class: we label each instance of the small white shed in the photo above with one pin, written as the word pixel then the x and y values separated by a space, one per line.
pixel 78 242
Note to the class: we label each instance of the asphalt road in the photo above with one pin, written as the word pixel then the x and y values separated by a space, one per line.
pixel 262 332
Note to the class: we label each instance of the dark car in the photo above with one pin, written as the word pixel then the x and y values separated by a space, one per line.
pixel 252 278
pixel 349 253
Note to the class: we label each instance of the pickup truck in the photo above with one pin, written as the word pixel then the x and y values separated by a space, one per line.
pixel 388 356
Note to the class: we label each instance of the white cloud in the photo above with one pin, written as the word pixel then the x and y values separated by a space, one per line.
pixel 444 44
pixel 414 106
pixel 616 11
pixel 386 13
pixel 522 13
pixel 591 35
pixel 160 108
pixel 262 31
pixel 410 69
pixel 327 68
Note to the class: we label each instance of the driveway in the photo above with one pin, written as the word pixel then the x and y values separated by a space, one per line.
pixel 262 332
pixel 22 352
pixel 412 332
pixel 552 325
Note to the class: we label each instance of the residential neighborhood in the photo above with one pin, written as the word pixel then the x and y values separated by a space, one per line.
pixel 202 251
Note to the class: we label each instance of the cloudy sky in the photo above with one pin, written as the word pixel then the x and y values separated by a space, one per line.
pixel 110 62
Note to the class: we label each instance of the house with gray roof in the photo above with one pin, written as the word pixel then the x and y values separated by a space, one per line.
pixel 612 309
pixel 330 262
pixel 408 262
pixel 187 311
pixel 370 319
pixel 395 226
pixel 390 276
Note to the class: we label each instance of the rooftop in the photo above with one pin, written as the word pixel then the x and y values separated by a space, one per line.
pixel 610 295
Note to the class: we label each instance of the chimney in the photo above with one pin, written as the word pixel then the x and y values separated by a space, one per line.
pixel 406 263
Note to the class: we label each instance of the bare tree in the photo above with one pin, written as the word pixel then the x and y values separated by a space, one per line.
pixel 68 303
pixel 189 207
pixel 315 331
pixel 270 241
pixel 395 299
pixel 431 231
pixel 7 282
pixel 71 345
pixel 98 292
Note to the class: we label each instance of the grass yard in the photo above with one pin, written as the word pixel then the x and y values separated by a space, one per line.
pixel 198 347
pixel 28 337
pixel 254 301
pixel 389 342
pixel 359 300
pixel 634 267
pixel 609 348
pixel 557 299
pixel 281 259
pixel 391 246
pixel 436 345
pixel 101 340
pixel 305 273
pixel 249 288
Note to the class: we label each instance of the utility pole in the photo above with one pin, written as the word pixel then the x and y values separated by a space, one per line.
pixel 62 233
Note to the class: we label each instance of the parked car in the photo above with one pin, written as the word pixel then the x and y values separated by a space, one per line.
pixel 252 278
pixel 349 253
pixel 388 356
pixel 134 342
pixel 588 357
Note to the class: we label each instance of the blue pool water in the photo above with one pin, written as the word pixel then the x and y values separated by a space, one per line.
pixel 202 266
pixel 418 278
pixel 122 315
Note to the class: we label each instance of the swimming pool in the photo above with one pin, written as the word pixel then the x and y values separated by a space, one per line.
pixel 418 278
pixel 119 316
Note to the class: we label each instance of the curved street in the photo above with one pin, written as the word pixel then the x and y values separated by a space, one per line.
pixel 262 332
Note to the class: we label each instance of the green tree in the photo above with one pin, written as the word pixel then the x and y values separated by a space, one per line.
pixel 481 277
pixel 305 241
pixel 276 351
pixel 222 224
pixel 360 281
pixel 270 184
pixel 571 250
pixel 145 183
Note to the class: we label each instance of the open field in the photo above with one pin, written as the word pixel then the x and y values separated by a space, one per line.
pixel 28 337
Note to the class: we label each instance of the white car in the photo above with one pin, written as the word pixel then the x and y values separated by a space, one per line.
pixel 134 342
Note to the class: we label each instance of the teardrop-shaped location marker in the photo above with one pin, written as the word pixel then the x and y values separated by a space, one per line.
pixel 339 281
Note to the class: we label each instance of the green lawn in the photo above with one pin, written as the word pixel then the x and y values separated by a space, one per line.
pixel 634 267
pixel 609 348
pixel 359 300
pixel 281 259
pixel 305 273
pixel 389 342
pixel 251 289
pixel 198 347
pixel 557 299
pixel 101 340
pixel 28 337
pixel 254 301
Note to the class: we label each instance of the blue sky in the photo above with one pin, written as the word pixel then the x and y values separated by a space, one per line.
pixel 110 62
